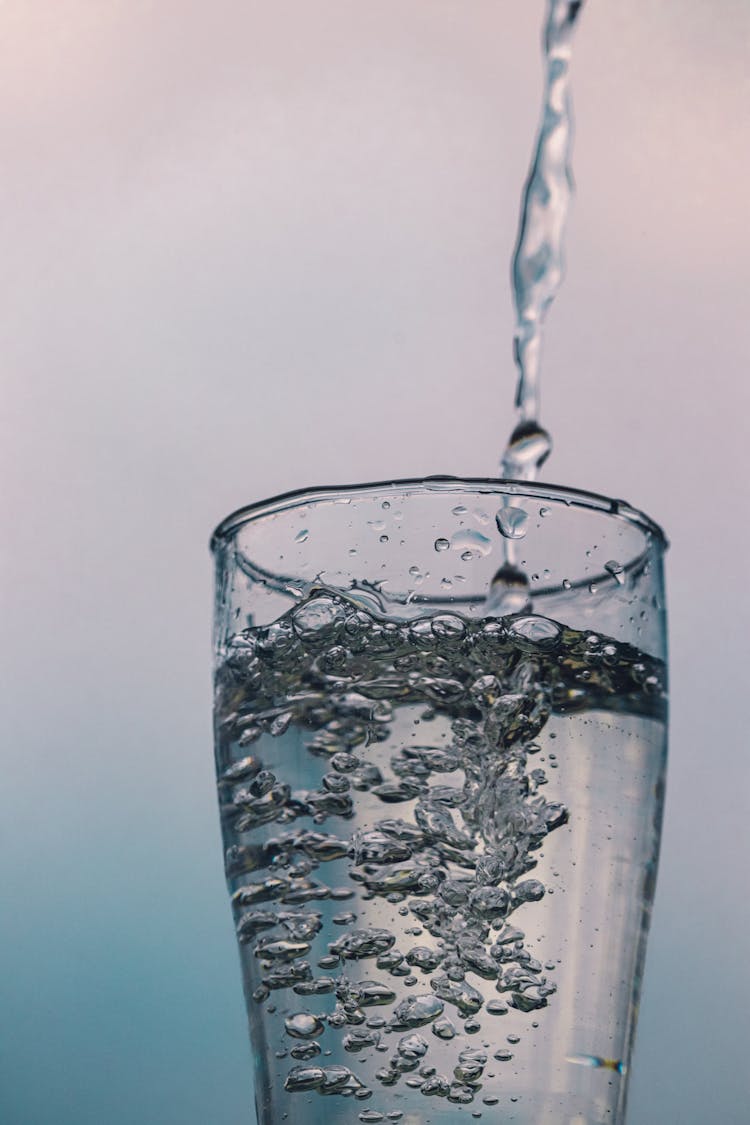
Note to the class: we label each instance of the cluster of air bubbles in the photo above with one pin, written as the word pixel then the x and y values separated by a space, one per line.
pixel 450 851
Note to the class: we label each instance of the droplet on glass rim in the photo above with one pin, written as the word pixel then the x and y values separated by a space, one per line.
pixel 617 570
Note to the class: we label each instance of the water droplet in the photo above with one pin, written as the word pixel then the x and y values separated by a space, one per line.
pixel 617 570
pixel 508 593
pixel 370 1115
pixel 543 512
pixel 376 525
pixel 442 545
pixel 472 544
pixel 511 522
pixel 383 539
pixel 566 584
pixel 528 449
pixel 593 588
pixel 385 505
pixel 302 536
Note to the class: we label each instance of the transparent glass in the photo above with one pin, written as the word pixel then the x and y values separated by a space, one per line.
pixel 441 795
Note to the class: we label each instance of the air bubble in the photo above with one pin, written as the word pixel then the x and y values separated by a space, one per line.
pixel 302 536
pixel 304 1026
pixel 415 1011
pixel 305 1051
pixel 538 630
pixel 304 1078
pixel 443 1028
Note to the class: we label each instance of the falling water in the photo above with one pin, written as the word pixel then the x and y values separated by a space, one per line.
pixel 538 258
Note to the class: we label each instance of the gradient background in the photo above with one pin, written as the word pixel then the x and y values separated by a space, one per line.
pixel 251 246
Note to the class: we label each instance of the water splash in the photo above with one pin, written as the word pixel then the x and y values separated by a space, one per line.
pixel 537 269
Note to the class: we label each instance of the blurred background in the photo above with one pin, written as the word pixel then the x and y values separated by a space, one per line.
pixel 248 246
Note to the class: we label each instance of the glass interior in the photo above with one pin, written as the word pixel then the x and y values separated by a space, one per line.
pixel 407 548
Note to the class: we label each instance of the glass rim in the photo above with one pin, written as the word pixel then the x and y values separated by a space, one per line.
pixel 571 497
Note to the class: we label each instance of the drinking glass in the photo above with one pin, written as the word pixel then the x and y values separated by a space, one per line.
pixel 440 747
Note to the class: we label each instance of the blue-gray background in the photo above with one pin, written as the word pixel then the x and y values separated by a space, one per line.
pixel 250 246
